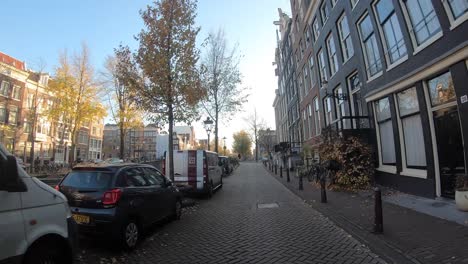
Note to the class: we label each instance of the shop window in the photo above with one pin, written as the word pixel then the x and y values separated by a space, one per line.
pixel 441 89
pixel 385 130
pixel 408 108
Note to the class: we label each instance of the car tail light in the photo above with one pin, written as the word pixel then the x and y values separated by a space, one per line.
pixel 57 188
pixel 111 197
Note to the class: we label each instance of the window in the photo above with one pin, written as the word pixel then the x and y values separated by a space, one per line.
pixel 332 57
pixel 322 68
pixel 305 71
pixel 94 131
pixel 333 2
pixel 309 118
pixel 30 101
pixel 317 117
pixel 441 89
pixel 27 127
pixel 13 116
pixel 369 45
pixel 328 110
pixel 16 92
pixel 345 38
pixel 133 177
pixel 4 88
pixel 395 47
pixel 423 20
pixel 354 85
pixel 2 113
pixel 457 8
pixel 324 12
pixel 305 124
pixel 301 45
pixel 339 102
pixel 307 34
pixel 354 2
pixel 153 176
pixel 411 124
pixel 316 28
pixel 313 76
pixel 385 130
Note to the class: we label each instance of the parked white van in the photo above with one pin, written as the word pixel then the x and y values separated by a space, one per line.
pixel 196 170
pixel 36 225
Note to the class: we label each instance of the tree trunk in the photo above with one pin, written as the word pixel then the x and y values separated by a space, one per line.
pixel 122 141
pixel 216 130
pixel 256 144
pixel 171 143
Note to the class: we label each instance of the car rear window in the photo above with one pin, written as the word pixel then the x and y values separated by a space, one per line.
pixel 87 179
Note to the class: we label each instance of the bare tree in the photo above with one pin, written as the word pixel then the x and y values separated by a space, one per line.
pixel 119 71
pixel 221 78
pixel 255 124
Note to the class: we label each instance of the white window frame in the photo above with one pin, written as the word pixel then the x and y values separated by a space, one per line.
pixel 354 3
pixel 309 116
pixel 313 76
pixel 383 39
pixel 328 110
pixel 323 75
pixel 323 6
pixel 16 88
pixel 333 3
pixel 316 29
pixel 454 22
pixel 411 172
pixel 378 74
pixel 318 125
pixel 344 47
pixel 305 73
pixel 333 63
pixel 382 167
pixel 418 48
pixel 3 84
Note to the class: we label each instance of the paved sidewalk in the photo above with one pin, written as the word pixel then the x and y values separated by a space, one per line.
pixel 409 236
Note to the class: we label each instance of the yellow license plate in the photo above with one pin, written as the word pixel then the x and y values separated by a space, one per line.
pixel 81 219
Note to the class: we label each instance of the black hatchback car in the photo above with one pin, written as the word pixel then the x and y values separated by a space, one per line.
pixel 119 200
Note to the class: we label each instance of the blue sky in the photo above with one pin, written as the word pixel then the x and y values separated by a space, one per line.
pixel 35 30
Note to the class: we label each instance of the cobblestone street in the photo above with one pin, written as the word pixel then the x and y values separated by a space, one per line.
pixel 253 219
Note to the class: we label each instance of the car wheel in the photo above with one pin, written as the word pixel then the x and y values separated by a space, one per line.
pixel 47 253
pixel 130 235
pixel 210 190
pixel 177 214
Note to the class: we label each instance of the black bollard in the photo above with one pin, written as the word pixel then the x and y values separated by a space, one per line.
pixel 378 217
pixel 301 186
pixel 287 175
pixel 276 169
pixel 281 171
pixel 323 191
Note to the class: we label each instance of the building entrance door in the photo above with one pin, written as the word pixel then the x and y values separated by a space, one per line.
pixel 449 148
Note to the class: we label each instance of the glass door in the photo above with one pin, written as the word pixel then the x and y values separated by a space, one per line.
pixel 449 148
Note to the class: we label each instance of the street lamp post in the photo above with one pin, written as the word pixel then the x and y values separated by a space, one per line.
pixel 224 138
pixel 208 124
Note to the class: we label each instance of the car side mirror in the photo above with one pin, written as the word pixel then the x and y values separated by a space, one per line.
pixel 9 176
